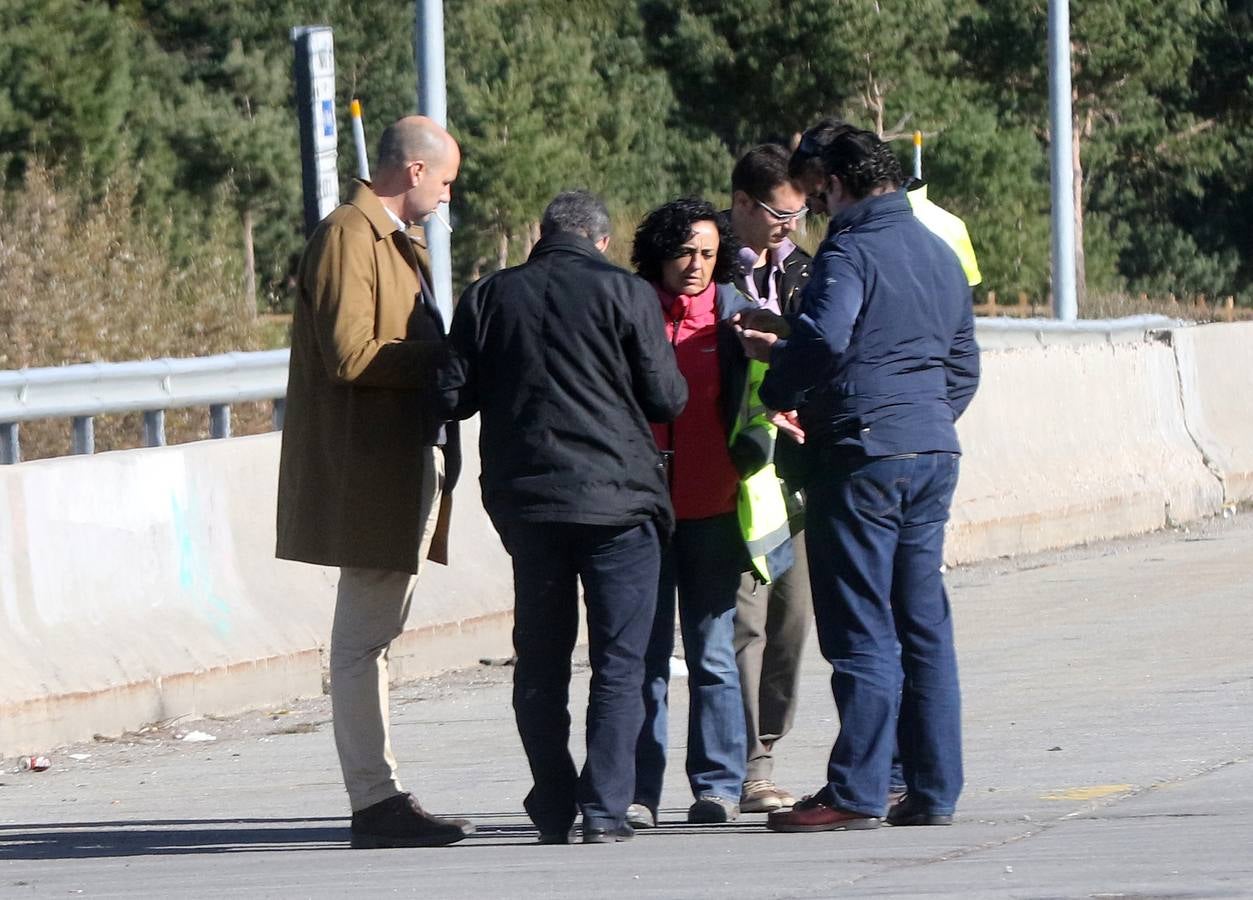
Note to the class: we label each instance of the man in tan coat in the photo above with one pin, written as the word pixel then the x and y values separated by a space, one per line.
pixel 364 479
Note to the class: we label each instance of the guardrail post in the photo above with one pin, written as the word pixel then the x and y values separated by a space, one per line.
pixel 154 428
pixel 10 446
pixel 220 420
pixel 280 411
pixel 84 435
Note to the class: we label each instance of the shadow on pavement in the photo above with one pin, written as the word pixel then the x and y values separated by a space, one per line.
pixel 172 837
pixel 178 837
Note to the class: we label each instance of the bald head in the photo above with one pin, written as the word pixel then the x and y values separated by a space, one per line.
pixel 410 139
pixel 417 164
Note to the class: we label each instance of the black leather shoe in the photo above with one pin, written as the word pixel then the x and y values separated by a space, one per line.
pixel 555 837
pixel 623 832
pixel 400 822
pixel 909 811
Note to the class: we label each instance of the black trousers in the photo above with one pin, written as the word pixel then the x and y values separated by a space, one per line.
pixel 618 566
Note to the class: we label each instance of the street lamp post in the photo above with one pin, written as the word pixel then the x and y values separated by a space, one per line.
pixel 428 34
pixel 1061 162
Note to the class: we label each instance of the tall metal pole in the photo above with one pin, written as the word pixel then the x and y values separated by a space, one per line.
pixel 1061 162
pixel 428 42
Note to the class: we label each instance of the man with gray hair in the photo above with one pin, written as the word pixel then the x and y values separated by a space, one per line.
pixel 565 358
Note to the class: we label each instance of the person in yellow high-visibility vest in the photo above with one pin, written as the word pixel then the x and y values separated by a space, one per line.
pixel 945 225
pixel 773 611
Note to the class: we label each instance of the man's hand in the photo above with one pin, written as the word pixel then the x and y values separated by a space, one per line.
pixel 788 422
pixel 761 320
pixel 758 330
pixel 757 344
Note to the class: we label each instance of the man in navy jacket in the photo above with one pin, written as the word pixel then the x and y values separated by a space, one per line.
pixel 879 362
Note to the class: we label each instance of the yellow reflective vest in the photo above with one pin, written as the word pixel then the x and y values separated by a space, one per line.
pixel 762 505
pixel 949 228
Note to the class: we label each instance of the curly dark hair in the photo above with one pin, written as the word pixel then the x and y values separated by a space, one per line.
pixel 664 230
pixel 858 158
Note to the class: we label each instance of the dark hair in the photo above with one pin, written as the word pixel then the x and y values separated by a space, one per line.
pixel 581 212
pixel 761 170
pixel 666 228
pixel 858 158
pixel 806 159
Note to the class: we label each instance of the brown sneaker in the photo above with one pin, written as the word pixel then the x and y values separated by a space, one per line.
pixel 761 795
pixel 399 821
pixel 812 814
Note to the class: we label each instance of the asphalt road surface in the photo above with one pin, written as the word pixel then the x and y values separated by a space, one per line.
pixel 1108 711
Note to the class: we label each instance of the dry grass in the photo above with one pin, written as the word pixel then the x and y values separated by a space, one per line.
pixel 1116 306
pixel 82 281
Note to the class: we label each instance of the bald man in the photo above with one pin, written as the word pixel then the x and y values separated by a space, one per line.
pixel 367 467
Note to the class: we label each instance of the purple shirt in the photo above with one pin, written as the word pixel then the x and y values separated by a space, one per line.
pixel 774 265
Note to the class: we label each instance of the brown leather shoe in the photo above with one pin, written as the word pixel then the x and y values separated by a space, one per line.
pixel 399 821
pixel 813 814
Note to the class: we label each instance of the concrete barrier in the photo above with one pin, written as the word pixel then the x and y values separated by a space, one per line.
pixel 1216 378
pixel 140 586
pixel 1074 437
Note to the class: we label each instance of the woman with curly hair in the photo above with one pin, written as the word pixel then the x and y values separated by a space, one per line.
pixel 688 253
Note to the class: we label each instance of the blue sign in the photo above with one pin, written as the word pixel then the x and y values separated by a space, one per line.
pixel 328 118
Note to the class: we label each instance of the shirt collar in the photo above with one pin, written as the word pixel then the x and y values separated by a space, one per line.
pixel 400 223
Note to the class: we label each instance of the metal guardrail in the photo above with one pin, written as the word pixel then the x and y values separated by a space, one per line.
pixel 81 392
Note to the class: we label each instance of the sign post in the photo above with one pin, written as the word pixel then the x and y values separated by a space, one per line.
pixel 314 50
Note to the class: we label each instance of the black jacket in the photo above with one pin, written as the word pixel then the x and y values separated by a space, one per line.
pixel 566 359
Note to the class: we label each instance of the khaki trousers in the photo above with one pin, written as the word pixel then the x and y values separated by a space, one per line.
pixel 771 624
pixel 371 607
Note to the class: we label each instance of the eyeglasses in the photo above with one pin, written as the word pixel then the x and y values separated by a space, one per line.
pixel 780 216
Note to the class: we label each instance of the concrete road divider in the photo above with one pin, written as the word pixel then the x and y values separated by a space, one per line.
pixel 141 586
pixel 1077 438
pixel 1216 377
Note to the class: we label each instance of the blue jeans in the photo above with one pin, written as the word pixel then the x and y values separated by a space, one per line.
pixel 703 564
pixel 618 566
pixel 875 536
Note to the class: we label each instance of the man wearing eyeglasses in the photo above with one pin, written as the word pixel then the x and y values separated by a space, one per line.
pixel 771 620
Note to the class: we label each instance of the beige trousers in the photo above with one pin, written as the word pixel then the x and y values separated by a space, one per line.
pixel 771 625
pixel 371 607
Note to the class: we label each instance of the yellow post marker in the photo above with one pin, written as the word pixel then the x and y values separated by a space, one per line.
pixel 918 155
pixel 358 139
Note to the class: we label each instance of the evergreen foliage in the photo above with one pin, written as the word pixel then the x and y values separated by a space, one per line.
pixel 189 103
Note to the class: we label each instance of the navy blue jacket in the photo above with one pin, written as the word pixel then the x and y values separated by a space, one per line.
pixel 882 355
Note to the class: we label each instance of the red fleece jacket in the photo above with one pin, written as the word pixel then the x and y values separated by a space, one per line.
pixel 703 481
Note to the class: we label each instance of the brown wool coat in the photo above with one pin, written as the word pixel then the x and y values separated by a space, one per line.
pixel 364 352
